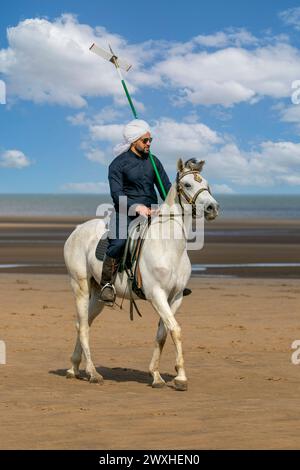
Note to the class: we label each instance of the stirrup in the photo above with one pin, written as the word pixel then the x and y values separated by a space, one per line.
pixel 112 288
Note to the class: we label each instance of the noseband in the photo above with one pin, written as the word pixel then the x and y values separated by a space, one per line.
pixel 181 193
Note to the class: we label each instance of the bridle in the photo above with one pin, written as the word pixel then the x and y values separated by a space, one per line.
pixel 181 193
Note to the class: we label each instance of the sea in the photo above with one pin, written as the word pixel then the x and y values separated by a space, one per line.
pixel 86 205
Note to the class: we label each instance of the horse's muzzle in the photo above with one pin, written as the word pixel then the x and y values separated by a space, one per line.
pixel 211 211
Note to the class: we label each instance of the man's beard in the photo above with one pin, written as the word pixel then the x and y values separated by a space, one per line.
pixel 142 152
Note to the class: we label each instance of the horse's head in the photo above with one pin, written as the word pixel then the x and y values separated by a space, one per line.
pixel 193 189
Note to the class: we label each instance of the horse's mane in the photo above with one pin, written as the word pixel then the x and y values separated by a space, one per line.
pixel 171 196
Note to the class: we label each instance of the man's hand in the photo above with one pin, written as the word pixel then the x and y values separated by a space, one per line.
pixel 143 210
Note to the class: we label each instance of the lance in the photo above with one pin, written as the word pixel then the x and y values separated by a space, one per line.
pixel 121 64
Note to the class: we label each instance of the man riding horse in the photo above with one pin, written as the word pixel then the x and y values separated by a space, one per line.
pixel 131 175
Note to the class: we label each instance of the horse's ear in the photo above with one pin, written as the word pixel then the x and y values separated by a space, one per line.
pixel 180 165
pixel 200 165
pixel 193 165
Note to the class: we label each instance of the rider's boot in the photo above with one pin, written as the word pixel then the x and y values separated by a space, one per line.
pixel 109 271
pixel 186 291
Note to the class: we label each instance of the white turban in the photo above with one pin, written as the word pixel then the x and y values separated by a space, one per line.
pixel 131 132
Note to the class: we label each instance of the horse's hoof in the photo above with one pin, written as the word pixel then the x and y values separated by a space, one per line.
pixel 158 384
pixel 71 375
pixel 96 379
pixel 180 385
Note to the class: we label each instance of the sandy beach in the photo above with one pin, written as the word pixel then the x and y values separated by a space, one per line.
pixel 237 335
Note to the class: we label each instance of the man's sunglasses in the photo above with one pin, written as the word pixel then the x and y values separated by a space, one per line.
pixel 146 140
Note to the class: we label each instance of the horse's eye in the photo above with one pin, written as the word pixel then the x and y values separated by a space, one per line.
pixel 187 185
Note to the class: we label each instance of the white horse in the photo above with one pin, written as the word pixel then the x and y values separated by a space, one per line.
pixel 164 266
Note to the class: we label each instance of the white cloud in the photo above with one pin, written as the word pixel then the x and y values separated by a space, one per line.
pixel 107 114
pixel 78 119
pixel 106 132
pixel 14 159
pixel 293 180
pixel 2 92
pixel 179 139
pixel 236 37
pixel 291 114
pixel 232 75
pixel 222 189
pixel 291 17
pixel 271 164
pixel 171 139
pixel 90 187
pixel 96 155
pixel 99 130
pixel 227 166
pixel 50 62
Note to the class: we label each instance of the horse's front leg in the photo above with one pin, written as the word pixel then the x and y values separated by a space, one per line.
pixel 161 305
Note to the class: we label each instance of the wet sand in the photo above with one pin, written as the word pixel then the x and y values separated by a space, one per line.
pixel 38 243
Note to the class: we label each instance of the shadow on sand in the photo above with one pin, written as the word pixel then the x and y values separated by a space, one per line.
pixel 118 374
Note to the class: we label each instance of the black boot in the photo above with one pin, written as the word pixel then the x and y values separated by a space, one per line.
pixel 139 292
pixel 186 291
pixel 109 271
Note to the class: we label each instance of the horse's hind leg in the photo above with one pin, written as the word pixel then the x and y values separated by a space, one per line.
pixel 95 308
pixel 160 340
pixel 73 372
pixel 87 310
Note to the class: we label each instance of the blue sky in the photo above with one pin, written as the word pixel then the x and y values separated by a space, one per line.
pixel 214 79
